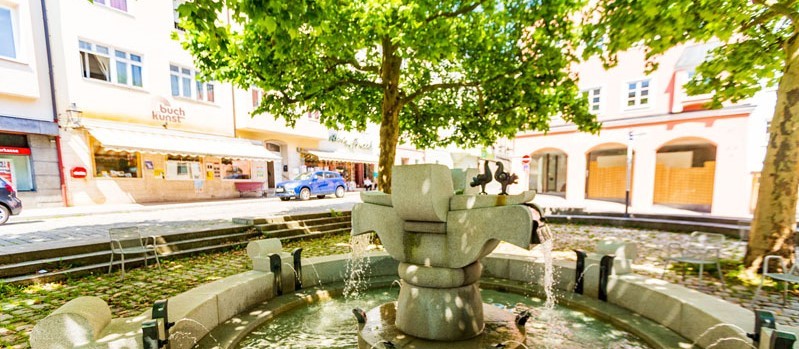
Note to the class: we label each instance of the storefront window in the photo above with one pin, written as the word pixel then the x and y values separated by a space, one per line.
pixel 116 164
pixel 17 171
pixel 15 161
pixel 183 167
pixel 236 169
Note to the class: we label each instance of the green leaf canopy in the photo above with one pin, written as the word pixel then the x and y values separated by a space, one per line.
pixel 470 71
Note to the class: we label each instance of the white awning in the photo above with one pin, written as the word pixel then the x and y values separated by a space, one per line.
pixel 344 156
pixel 119 137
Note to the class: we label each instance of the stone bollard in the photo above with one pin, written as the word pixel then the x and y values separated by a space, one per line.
pixel 623 252
pixel 259 252
pixel 77 323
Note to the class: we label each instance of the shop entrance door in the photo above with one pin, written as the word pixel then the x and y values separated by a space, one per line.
pixel 270 174
pixel 359 175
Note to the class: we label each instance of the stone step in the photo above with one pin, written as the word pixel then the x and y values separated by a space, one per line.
pixel 169 243
pixel 307 216
pixel 102 267
pixel 61 252
pixel 306 230
pixel 289 218
pixel 309 223
pixel 59 262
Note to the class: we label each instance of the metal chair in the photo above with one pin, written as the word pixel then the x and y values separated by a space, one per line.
pixel 787 276
pixel 128 240
pixel 703 248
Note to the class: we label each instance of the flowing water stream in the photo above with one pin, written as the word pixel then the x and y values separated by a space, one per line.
pixel 357 280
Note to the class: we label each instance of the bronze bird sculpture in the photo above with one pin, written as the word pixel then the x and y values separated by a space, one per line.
pixel 482 179
pixel 504 178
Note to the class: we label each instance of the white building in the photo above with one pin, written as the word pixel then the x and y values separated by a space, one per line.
pixel 682 154
pixel 28 131
pixel 142 126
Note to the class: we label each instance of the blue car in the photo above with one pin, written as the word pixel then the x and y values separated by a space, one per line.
pixel 319 183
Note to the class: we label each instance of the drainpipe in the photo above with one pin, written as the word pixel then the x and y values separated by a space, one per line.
pixel 61 178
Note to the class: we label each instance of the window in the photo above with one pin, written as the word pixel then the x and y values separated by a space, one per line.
pixel 115 164
pixel 185 84
pixel 128 65
pixel 257 96
pixel 176 15
pixel 183 167
pixel 96 63
pixel 314 115
pixel 236 169
pixel 8 38
pixel 638 93
pixel 121 5
pixel 273 147
pixel 593 97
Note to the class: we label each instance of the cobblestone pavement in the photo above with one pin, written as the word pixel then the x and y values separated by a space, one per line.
pixel 652 250
pixel 24 234
pixel 21 308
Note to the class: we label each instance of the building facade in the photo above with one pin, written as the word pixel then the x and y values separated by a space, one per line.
pixel 309 145
pixel 139 123
pixel 680 154
pixel 28 130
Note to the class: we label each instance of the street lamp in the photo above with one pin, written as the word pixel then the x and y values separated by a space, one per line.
pixel 630 138
pixel 74 116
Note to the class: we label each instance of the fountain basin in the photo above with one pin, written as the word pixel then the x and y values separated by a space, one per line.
pixel 664 315
pixel 499 327
pixel 295 321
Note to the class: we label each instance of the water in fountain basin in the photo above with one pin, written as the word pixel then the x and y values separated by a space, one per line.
pixel 330 325
pixel 357 279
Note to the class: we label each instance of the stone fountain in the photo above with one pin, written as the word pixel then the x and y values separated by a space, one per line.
pixel 439 237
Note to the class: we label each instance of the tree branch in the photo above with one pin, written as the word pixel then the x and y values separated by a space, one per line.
pixel 429 88
pixel 781 8
pixel 353 63
pixel 461 10
pixel 369 84
pixel 761 19
pixel 442 86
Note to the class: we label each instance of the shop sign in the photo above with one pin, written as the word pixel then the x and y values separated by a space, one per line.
pixel 78 172
pixel 14 151
pixel 350 142
pixel 164 111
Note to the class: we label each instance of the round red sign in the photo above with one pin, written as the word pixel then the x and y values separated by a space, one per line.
pixel 526 159
pixel 78 172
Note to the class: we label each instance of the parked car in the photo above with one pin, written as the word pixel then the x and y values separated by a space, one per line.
pixel 10 204
pixel 319 183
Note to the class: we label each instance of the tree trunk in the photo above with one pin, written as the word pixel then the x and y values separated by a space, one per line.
pixel 775 214
pixel 389 126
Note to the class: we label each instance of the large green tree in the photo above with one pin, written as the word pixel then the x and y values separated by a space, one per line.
pixel 430 72
pixel 758 48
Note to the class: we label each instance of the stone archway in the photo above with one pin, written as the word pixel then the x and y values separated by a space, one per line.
pixel 607 172
pixel 685 172
pixel 548 171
